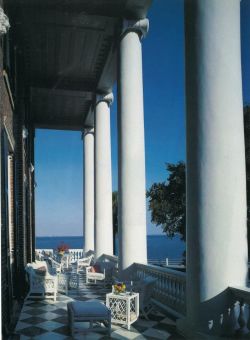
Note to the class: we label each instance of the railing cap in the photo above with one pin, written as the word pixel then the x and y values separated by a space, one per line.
pixel 178 274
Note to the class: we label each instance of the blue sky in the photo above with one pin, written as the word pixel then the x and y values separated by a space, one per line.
pixel 59 154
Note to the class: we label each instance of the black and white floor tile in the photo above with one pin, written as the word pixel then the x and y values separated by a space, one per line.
pixel 46 319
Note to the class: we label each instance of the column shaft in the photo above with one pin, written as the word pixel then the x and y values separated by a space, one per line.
pixel 89 189
pixel 216 178
pixel 103 181
pixel 132 201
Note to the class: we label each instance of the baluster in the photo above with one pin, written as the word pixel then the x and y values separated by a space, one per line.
pixel 169 289
pixel 177 292
pixel 229 322
pixel 241 320
pixel 174 291
pixel 183 296
pixel 183 293
pixel 157 285
pixel 161 277
pixel 165 288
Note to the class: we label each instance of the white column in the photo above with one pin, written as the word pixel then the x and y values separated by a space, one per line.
pixel 103 179
pixel 88 136
pixel 132 188
pixel 216 178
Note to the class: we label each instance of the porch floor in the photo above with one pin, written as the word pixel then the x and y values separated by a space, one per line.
pixel 46 319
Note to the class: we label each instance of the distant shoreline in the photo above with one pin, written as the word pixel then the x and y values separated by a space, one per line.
pixel 82 235
pixel 158 246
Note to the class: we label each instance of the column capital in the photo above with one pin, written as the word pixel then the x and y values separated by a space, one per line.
pixel 87 131
pixel 4 22
pixel 108 98
pixel 139 26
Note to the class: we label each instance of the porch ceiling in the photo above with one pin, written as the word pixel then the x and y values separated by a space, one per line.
pixel 65 52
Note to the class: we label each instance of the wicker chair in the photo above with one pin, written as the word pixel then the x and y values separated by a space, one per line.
pixel 55 265
pixel 82 264
pixel 94 277
pixel 42 284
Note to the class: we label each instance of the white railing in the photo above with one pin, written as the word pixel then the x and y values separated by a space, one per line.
pixel 75 253
pixel 79 254
pixel 168 262
pixel 46 251
pixel 170 287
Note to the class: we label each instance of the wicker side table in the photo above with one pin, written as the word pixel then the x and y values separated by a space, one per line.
pixel 124 308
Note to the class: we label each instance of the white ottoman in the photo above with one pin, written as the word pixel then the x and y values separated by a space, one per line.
pixel 89 311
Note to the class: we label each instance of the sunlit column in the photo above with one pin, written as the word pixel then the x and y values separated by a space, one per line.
pixel 216 178
pixel 103 178
pixel 88 136
pixel 132 189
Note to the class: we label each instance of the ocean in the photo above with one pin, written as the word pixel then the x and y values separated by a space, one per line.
pixel 159 246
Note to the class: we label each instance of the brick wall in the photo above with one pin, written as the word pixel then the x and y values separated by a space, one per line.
pixel 7 217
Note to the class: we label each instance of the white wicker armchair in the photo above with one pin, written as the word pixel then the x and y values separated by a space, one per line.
pixel 56 266
pixel 93 277
pixel 41 283
pixel 81 264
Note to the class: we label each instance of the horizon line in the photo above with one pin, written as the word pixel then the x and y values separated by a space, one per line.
pixel 82 235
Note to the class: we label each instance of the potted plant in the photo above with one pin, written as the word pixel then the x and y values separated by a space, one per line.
pixel 119 288
pixel 62 248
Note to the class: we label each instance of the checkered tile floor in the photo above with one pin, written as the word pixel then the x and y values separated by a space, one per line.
pixel 46 319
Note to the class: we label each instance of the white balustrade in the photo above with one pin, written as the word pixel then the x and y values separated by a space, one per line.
pixel 45 251
pixel 170 288
pixel 234 321
pixel 75 253
pixel 78 253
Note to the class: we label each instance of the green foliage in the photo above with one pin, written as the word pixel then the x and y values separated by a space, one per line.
pixel 115 211
pixel 167 201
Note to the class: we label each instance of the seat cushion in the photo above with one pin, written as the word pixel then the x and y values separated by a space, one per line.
pixel 95 269
pixel 41 270
pixel 96 276
pixel 88 309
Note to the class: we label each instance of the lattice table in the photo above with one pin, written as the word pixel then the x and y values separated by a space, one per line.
pixel 67 281
pixel 124 307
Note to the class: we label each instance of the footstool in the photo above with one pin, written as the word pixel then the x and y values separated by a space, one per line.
pixel 88 311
